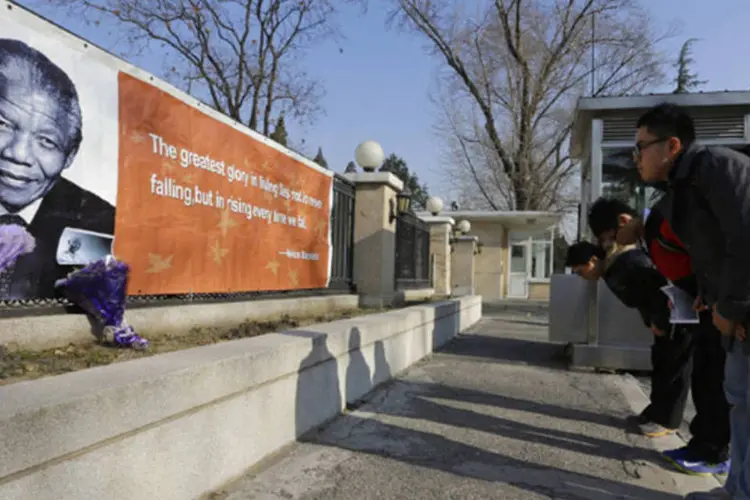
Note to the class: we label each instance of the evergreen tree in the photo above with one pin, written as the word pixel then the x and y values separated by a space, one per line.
pixel 685 79
pixel 320 159
pixel 279 132
pixel 397 166
pixel 351 168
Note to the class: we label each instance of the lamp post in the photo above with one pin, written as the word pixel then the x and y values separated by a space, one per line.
pixel 464 226
pixel 369 155
pixel 434 205
pixel 402 205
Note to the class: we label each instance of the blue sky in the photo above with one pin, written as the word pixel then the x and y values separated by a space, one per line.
pixel 378 87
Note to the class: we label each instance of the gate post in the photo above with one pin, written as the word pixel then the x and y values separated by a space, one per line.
pixel 440 248
pixel 375 237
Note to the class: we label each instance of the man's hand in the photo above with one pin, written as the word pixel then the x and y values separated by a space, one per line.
pixel 656 331
pixel 727 327
pixel 630 232
pixel 698 305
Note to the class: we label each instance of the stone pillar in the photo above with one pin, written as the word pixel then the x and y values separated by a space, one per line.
pixel 440 251
pixel 375 237
pixel 463 265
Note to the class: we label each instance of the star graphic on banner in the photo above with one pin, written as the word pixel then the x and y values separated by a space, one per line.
pixel 273 266
pixel 188 178
pixel 246 163
pixel 226 222
pixel 218 253
pixel 265 166
pixel 167 166
pixel 296 184
pixel 137 137
pixel 268 196
pixel 320 228
pixel 158 263
pixel 292 275
pixel 288 205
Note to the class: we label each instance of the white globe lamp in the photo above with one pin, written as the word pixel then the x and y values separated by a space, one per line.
pixel 434 205
pixel 464 226
pixel 369 156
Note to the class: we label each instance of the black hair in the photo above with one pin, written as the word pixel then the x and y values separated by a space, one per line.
pixel 50 78
pixel 669 120
pixel 604 214
pixel 581 252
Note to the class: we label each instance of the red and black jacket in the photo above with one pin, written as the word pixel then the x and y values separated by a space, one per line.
pixel 668 253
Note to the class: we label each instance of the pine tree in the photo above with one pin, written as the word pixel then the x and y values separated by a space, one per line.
pixel 351 168
pixel 398 167
pixel 320 159
pixel 685 80
pixel 279 132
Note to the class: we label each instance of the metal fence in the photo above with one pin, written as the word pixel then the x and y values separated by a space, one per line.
pixel 412 253
pixel 342 234
pixel 342 241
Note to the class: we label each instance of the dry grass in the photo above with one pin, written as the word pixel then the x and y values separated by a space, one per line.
pixel 17 364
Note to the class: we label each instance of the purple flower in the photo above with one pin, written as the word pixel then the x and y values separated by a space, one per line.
pixel 100 289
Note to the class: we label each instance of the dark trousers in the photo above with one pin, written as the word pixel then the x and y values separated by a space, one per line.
pixel 693 358
pixel 672 366
pixel 710 427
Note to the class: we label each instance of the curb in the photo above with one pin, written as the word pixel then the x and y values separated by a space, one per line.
pixel 637 400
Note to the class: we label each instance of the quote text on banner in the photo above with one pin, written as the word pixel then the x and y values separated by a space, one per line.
pixel 204 208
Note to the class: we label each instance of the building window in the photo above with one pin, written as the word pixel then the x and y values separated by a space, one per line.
pixel 531 253
pixel 541 259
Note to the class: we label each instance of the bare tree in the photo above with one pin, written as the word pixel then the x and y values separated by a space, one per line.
pixel 242 56
pixel 513 71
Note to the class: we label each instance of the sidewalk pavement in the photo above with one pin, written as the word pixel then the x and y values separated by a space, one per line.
pixel 496 415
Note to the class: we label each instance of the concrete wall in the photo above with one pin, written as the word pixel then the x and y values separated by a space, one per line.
pixel 56 330
pixel 490 264
pixel 175 426
pixel 539 290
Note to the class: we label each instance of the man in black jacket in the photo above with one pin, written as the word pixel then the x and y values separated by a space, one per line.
pixel 634 280
pixel 709 211
pixel 694 357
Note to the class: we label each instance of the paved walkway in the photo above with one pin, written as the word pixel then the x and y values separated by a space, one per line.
pixel 496 415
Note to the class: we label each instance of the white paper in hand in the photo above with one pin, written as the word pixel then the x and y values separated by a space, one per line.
pixel 682 306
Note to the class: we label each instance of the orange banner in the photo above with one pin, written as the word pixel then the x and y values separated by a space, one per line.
pixel 204 208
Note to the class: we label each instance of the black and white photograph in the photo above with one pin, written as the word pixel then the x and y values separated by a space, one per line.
pixel 58 156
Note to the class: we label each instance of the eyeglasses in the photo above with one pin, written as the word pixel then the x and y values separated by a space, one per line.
pixel 639 147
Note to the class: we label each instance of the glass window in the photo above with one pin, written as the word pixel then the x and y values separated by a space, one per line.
pixel 620 180
pixel 518 259
pixel 541 260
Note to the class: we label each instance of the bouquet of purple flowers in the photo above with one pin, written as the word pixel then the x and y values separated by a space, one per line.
pixel 14 242
pixel 99 288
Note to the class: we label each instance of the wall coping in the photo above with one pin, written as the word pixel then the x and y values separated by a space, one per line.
pixel 384 178
pixel 150 390
pixel 438 219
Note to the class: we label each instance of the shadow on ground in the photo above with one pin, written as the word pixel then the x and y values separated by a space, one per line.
pixel 474 435
pixel 512 350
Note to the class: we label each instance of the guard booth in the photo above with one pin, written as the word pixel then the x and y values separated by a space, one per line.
pixel 601 331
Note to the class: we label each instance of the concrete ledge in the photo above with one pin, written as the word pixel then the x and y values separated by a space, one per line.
pixel 418 294
pixel 178 425
pixel 48 332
